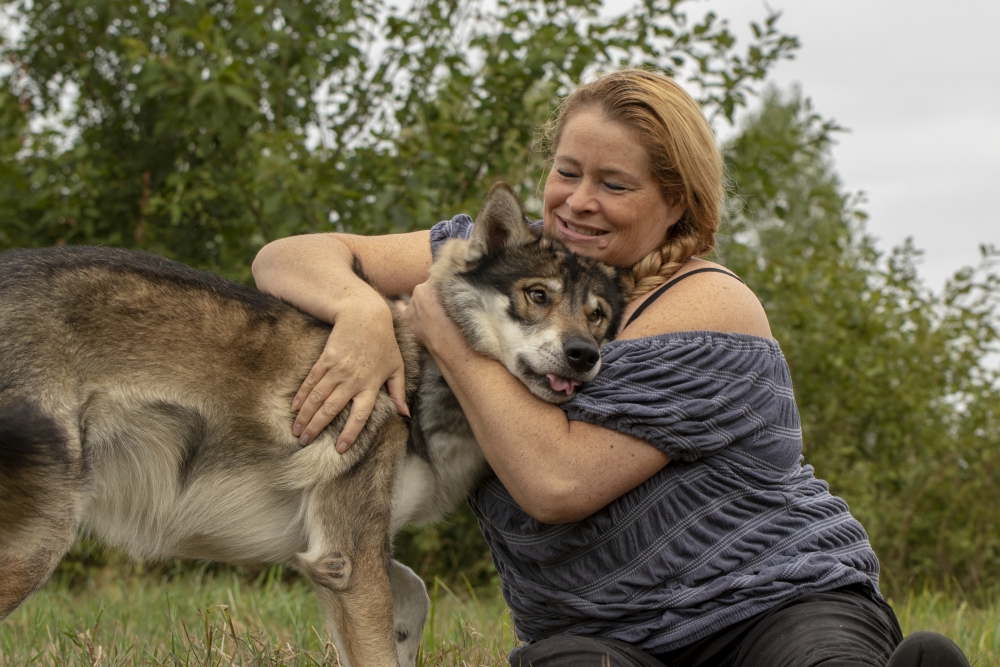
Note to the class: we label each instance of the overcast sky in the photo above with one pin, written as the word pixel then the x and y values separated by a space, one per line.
pixel 918 85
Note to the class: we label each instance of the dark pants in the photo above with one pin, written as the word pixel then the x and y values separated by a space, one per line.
pixel 833 629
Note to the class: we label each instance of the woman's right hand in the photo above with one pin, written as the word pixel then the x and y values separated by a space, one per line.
pixel 360 357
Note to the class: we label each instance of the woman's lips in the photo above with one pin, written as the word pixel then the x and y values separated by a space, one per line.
pixel 577 232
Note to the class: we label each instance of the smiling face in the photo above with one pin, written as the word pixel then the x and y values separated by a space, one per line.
pixel 601 198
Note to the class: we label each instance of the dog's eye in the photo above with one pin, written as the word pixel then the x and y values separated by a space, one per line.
pixel 596 316
pixel 537 295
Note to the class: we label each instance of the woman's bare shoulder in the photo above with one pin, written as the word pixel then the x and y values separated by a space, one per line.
pixel 708 301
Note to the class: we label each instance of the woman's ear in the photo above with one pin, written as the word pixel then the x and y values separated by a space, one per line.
pixel 676 207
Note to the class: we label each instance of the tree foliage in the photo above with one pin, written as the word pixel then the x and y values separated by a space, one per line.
pixel 203 128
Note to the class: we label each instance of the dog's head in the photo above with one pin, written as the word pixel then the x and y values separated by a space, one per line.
pixel 525 300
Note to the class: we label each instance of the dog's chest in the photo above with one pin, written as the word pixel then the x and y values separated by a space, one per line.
pixel 444 462
pixel 440 411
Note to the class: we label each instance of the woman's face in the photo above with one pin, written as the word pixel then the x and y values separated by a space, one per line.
pixel 601 198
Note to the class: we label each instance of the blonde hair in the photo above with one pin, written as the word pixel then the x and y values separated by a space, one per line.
pixel 683 155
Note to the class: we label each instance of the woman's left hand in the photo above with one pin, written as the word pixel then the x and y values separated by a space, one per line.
pixel 428 320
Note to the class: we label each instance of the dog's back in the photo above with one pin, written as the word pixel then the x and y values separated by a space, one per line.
pixel 89 316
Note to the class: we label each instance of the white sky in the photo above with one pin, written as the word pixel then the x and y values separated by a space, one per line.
pixel 918 85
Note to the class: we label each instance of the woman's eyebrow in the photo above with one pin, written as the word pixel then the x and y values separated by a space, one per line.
pixel 565 158
pixel 613 171
pixel 604 171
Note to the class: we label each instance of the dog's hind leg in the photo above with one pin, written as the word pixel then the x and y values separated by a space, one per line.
pixel 40 487
pixel 349 553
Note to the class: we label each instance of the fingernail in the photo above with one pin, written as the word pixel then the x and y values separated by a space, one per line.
pixel 304 439
pixel 296 403
pixel 296 430
pixel 406 410
pixel 341 447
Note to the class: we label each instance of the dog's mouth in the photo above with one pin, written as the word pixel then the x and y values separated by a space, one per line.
pixel 562 385
pixel 550 387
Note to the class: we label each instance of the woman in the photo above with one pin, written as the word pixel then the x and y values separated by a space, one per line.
pixel 663 515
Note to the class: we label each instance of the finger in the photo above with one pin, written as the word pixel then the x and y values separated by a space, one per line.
pixel 326 413
pixel 319 398
pixel 316 373
pixel 396 384
pixel 361 410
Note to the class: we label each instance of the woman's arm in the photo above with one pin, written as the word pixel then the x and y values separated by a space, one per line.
pixel 559 470
pixel 314 272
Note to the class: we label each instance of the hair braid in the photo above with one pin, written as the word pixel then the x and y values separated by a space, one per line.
pixel 683 242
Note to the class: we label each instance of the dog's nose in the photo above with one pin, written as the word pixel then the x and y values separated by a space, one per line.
pixel 582 354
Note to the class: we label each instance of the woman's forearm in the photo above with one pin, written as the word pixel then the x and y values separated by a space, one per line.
pixel 313 272
pixel 557 470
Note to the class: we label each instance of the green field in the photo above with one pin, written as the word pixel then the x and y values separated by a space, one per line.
pixel 123 615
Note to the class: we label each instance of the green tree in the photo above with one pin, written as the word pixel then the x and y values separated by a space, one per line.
pixel 899 410
pixel 202 129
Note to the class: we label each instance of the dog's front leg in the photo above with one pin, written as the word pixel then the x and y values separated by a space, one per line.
pixel 353 588
pixel 348 557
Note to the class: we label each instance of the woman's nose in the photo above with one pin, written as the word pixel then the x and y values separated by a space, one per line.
pixel 582 199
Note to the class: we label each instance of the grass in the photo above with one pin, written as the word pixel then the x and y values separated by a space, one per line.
pixel 976 630
pixel 122 615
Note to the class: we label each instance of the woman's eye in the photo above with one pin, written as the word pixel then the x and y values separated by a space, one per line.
pixel 614 186
pixel 566 173
pixel 596 316
pixel 537 295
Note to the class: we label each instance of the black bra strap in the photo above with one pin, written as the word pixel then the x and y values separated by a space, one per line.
pixel 668 285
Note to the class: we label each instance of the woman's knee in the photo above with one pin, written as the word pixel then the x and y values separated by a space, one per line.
pixel 927 649
pixel 574 651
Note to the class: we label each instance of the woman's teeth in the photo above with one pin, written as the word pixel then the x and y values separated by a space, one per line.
pixel 586 231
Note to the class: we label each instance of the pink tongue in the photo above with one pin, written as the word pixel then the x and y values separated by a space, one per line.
pixel 562 384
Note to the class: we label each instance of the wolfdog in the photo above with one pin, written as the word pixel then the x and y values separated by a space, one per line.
pixel 148 404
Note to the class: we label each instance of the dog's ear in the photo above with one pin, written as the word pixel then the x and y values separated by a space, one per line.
pixel 500 222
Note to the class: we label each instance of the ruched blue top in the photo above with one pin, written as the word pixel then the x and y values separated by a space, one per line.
pixel 732 526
